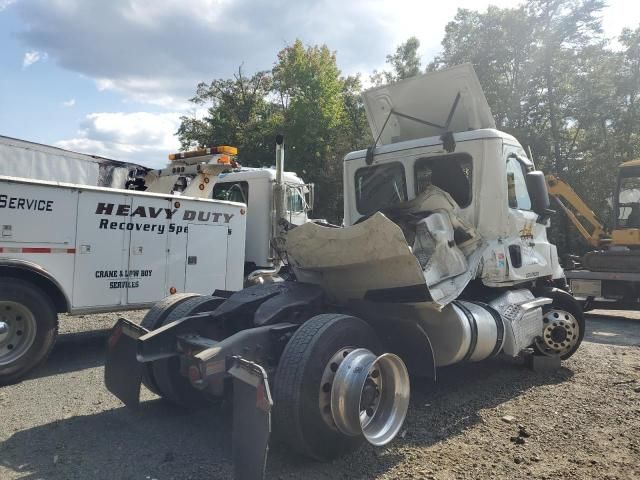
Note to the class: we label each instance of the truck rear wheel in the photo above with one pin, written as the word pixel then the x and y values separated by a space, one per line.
pixel 28 328
pixel 302 397
pixel 154 319
pixel 171 384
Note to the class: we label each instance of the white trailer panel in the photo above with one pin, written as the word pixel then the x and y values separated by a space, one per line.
pixel 110 249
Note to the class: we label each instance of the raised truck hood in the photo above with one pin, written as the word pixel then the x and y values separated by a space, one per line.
pixel 430 98
pixel 373 260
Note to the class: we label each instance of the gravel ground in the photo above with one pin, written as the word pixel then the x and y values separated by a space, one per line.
pixel 489 420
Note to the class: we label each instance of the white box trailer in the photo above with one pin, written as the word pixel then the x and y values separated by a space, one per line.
pixel 35 161
pixel 79 249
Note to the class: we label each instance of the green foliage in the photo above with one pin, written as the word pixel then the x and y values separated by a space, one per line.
pixel 549 77
pixel 238 114
pixel 304 97
pixel 553 82
pixel 405 63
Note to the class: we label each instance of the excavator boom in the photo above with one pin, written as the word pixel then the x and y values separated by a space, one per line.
pixel 593 232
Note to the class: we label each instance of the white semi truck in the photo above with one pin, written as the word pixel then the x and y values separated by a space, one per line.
pixel 443 258
pixel 70 248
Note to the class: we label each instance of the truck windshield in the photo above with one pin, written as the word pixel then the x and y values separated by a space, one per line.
pixel 380 186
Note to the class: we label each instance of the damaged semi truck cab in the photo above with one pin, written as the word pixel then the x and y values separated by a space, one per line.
pixel 491 182
pixel 443 258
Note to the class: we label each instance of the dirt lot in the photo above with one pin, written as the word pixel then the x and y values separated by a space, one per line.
pixel 582 421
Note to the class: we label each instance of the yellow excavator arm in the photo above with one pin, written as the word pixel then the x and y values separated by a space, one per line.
pixel 588 224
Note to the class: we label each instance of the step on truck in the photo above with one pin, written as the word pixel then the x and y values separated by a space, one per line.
pixel 443 258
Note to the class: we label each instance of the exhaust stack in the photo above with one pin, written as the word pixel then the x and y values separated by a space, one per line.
pixel 279 190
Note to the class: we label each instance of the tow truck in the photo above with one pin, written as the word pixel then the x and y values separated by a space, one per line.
pixel 443 258
pixel 200 224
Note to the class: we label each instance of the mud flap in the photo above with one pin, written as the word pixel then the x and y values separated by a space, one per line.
pixel 251 418
pixel 122 371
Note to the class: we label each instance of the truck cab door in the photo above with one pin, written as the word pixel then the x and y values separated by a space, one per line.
pixel 528 251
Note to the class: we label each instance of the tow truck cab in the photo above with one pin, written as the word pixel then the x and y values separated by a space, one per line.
pixel 213 173
pixel 255 188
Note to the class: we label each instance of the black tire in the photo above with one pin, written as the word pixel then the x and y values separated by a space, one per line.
pixel 154 319
pixel 173 386
pixel 298 420
pixel 563 300
pixel 44 319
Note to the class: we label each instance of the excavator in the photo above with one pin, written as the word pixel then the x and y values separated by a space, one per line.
pixel 609 275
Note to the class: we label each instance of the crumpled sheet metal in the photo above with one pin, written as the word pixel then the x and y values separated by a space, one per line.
pixel 374 255
pixel 348 262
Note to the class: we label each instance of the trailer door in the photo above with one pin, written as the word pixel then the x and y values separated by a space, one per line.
pixel 206 262
pixel 146 275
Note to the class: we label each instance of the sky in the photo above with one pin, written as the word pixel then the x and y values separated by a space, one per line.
pixel 112 78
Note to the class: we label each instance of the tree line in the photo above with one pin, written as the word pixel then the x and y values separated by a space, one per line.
pixel 570 95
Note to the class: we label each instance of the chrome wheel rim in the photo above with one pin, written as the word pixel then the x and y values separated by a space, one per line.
pixel 362 394
pixel 560 334
pixel 326 384
pixel 18 331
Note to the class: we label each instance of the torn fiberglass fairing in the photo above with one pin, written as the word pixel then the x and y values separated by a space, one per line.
pixel 414 251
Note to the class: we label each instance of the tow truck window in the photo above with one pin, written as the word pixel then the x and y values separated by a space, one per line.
pixel 231 191
pixel 380 186
pixel 295 202
pixel 517 192
pixel 629 203
pixel 451 173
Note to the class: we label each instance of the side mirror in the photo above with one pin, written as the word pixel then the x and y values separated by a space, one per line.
pixel 537 188
pixel 310 196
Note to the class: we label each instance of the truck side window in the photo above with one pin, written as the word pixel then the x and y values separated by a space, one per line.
pixel 380 186
pixel 516 186
pixel 629 202
pixel 451 173
pixel 295 202
pixel 231 191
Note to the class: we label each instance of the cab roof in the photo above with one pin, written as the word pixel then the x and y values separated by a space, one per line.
pixel 482 134
pixel 241 173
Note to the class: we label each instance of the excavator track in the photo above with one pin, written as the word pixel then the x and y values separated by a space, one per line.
pixel 612 261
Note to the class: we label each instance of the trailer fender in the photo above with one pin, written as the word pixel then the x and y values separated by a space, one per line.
pixel 259 306
pixel 32 272
pixel 395 325
pixel 272 303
